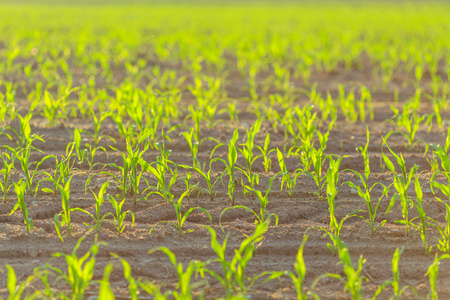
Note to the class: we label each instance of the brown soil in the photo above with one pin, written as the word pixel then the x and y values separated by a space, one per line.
pixel 277 252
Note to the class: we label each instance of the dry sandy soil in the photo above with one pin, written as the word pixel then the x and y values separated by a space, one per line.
pixel 277 252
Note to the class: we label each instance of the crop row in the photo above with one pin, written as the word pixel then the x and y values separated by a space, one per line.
pixel 73 282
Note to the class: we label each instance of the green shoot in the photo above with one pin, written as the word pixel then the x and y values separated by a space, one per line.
pixel 247 153
pixel 211 183
pixel 401 185
pixel 230 165
pixel 365 191
pixel 432 273
pixel 80 270
pixel 233 276
pixel 119 216
pixel 263 201
pixel 63 218
pixel 288 180
pixel 267 163
pixel 182 218
pixel 8 166
pixel 184 285
pixel 422 227
pixel 20 191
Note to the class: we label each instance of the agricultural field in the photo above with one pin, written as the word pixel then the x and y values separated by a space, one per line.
pixel 248 150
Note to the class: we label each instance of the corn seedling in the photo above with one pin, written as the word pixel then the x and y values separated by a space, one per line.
pixel 77 146
pixel 63 168
pixel 184 285
pixel 193 146
pixel 354 277
pixel 181 218
pixel 119 216
pixel 80 270
pixel 267 163
pixel 422 226
pixel 8 166
pixel 365 191
pixel 332 191
pixel 401 185
pixel 395 281
pixel 247 153
pixel 15 290
pixel 99 199
pixel 130 178
pixel 233 277
pixel 105 290
pixel 133 284
pixel 63 218
pixel 444 241
pixel 98 121
pixel 298 278
pixel 432 273
pixel 313 159
pixel 408 123
pixel 189 186
pixel 210 182
pixel 20 189
pixel 25 138
pixel 23 156
pixel 159 172
pixel 230 165
pixel 289 181
pixel 263 202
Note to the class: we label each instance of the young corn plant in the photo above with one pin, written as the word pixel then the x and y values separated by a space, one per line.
pixel 130 178
pixel 232 276
pixel 401 184
pixel 332 191
pixel 432 273
pixel 24 136
pixel 184 285
pixel 193 146
pixel 119 216
pixel 267 163
pixel 444 241
pixel 105 291
pixel 20 189
pixel 159 172
pixel 298 278
pixel 133 284
pixel 422 226
pixel 181 218
pixel 88 153
pixel 289 181
pixel 395 281
pixel 99 199
pixel 163 185
pixel 64 217
pixel 96 135
pixel 230 165
pixel 365 191
pixel 263 202
pixel 59 176
pixel 313 159
pixel 408 122
pixel 80 270
pixel 354 280
pixel 23 156
pixel 8 166
pixel 210 182
pixel 247 153
pixel 16 290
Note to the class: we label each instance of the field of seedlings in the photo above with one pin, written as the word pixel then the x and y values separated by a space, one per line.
pixel 249 150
